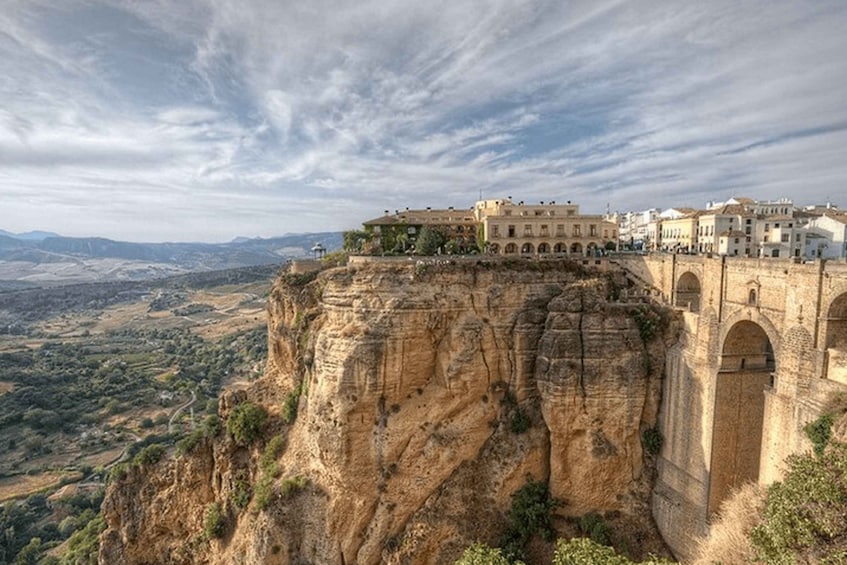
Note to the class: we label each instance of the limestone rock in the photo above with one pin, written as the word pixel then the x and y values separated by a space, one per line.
pixel 412 376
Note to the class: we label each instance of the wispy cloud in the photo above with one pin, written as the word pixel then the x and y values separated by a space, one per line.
pixel 206 120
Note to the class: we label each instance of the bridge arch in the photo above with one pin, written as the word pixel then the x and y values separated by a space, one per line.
pixel 688 292
pixel 836 322
pixel 747 364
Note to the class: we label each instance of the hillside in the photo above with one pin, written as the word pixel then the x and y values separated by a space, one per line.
pixel 51 260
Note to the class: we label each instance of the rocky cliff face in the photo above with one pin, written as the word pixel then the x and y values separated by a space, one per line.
pixel 417 383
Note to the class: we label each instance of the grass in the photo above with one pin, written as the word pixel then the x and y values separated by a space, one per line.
pixel 21 486
pixel 729 541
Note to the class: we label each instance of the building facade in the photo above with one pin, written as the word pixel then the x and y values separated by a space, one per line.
pixel 510 228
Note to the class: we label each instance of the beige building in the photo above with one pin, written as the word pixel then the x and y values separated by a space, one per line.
pixel 679 235
pixel 540 229
pixel 719 228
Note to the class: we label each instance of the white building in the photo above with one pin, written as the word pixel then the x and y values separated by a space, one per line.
pixel 827 238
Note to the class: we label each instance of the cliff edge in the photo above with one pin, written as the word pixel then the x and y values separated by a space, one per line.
pixel 406 404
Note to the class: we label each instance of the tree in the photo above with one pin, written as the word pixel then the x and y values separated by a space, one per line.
pixel 245 422
pixel 429 241
pixel 354 240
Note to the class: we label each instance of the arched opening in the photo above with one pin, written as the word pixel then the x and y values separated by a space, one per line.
pixel 751 297
pixel 511 248
pixel 494 248
pixel 836 340
pixel 543 248
pixel 560 248
pixel 576 248
pixel 591 249
pixel 527 249
pixel 688 292
pixel 836 323
pixel 747 365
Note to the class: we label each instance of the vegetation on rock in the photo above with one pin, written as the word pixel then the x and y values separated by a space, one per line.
pixel 245 422
pixel 805 515
pixel 530 514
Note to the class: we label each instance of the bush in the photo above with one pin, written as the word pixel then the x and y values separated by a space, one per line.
pixel 531 514
pixel 271 453
pixel 481 554
pixel 289 405
pixel 263 492
pixel 240 495
pixel 245 422
pixel 581 551
pixel 213 522
pixel 819 432
pixel 519 422
pixel 595 527
pixel 149 455
pixel 804 515
pixel 651 440
pixel 293 485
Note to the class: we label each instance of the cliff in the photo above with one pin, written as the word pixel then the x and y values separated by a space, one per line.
pixel 426 395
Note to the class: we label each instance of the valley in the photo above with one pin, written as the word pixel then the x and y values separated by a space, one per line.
pixel 91 374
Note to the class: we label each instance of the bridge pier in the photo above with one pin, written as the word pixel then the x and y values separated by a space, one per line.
pixel 753 365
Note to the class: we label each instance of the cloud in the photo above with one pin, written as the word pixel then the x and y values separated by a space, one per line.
pixel 239 117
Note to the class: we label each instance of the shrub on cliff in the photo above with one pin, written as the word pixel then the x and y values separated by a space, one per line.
pixel 805 515
pixel 213 522
pixel 531 514
pixel 149 455
pixel 581 551
pixel 481 554
pixel 245 422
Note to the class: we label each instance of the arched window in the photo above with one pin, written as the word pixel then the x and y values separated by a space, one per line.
pixel 751 298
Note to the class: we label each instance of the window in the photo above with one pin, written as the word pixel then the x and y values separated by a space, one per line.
pixel 785 237
pixel 751 297
pixel 776 226
pixel 796 237
pixel 495 231
pixel 577 231
pixel 560 229
pixel 527 229
pixel 747 230
pixel 767 227
pixel 511 231
pixel 736 241
pixel 507 213
pixel 748 221
pixel 775 253
pixel 592 230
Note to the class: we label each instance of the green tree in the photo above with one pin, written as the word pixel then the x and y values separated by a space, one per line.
pixel 805 515
pixel 245 422
pixel 429 241
pixel 354 240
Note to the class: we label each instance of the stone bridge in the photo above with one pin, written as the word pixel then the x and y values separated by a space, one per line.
pixel 763 351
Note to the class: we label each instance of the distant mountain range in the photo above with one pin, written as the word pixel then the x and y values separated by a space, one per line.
pixel 44 258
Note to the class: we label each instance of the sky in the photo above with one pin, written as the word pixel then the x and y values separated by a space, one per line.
pixel 203 120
